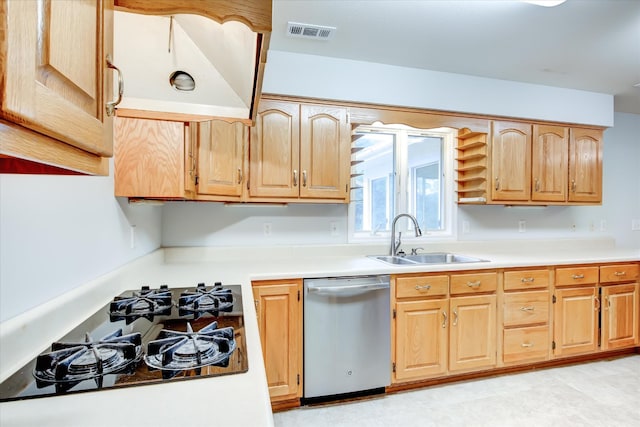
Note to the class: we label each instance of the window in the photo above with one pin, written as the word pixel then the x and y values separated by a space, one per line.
pixel 398 169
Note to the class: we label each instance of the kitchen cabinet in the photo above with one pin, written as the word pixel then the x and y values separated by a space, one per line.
pixel 155 158
pixel 300 152
pixel 526 316
pixel 279 310
pixel 575 313
pixel 620 306
pixel 420 331
pixel 434 334
pixel 530 164
pixel 585 166
pixel 55 83
pixel 221 158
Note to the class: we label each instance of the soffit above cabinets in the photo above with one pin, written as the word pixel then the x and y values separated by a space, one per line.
pixel 221 58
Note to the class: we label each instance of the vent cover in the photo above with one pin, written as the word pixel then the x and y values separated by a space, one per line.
pixel 309 31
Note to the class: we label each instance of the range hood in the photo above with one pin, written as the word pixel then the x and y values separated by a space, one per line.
pixel 224 60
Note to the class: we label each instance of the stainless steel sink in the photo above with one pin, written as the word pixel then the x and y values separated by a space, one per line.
pixel 426 258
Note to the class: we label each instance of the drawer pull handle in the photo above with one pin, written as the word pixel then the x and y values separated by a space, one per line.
pixel 475 284
pixel 527 280
pixel 578 276
pixel 526 345
pixel 528 308
pixel 423 287
pixel 444 319
pixel 620 273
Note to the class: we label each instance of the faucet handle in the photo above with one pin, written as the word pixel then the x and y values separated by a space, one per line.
pixel 414 251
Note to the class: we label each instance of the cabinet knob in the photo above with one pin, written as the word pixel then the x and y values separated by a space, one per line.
pixel 240 176
pixel 526 345
pixel 475 284
pixel 423 287
pixel 573 185
pixel 497 183
pixel 620 273
pixel 528 308
pixel 577 276
pixel 295 178
pixel 111 105
pixel 537 185
pixel 527 279
pixel 304 178
pixel 444 319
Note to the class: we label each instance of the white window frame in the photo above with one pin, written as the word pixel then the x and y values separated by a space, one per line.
pixel 403 198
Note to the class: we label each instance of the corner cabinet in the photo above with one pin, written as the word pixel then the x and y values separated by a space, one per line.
pixel 300 152
pixel 55 86
pixel 530 164
pixel 279 310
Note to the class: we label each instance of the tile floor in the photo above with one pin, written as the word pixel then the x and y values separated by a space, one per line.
pixel 605 393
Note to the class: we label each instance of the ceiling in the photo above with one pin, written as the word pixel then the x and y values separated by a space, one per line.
pixel 590 45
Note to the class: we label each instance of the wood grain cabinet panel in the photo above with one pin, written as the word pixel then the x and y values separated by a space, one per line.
pixel 525 308
pixel 55 82
pixel 421 339
pixel 549 163
pixel 422 286
pixel 511 161
pixel 526 279
pixel 473 333
pixel 575 276
pixel 575 317
pixel 473 283
pixel 279 311
pixel 585 165
pixel 619 273
pixel 526 344
pixel 221 169
pixel 154 158
pixel 620 314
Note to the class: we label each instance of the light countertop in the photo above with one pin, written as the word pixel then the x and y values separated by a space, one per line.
pixel 241 399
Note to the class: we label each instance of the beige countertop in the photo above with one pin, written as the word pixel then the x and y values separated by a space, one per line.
pixel 241 399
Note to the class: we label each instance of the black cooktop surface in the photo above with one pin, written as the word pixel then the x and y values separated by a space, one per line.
pixel 144 336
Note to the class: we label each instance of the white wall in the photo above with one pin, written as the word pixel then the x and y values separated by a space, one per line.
pixel 289 73
pixel 213 224
pixel 59 232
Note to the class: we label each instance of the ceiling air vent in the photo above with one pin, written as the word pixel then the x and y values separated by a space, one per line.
pixel 309 31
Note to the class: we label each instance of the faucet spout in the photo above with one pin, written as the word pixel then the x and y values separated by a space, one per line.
pixel 395 245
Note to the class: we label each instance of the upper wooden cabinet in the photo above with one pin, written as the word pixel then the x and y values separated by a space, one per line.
pixel 155 158
pixel 221 159
pixel 300 151
pixel 585 166
pixel 534 164
pixel 55 85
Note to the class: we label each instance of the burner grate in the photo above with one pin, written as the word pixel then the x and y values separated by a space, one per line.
pixel 146 303
pixel 203 300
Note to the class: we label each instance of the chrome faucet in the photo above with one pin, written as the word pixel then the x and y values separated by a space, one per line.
pixel 396 244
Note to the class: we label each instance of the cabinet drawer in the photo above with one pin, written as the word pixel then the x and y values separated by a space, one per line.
pixel 526 343
pixel 619 273
pixel 421 286
pixel 576 276
pixel 526 308
pixel 526 279
pixel 473 283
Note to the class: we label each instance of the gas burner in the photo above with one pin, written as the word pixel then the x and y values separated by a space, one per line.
pixel 145 303
pixel 68 363
pixel 177 351
pixel 203 300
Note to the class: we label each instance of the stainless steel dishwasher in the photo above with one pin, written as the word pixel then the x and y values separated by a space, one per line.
pixel 347 335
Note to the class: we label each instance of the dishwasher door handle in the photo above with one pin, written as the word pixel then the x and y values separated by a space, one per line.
pixel 347 290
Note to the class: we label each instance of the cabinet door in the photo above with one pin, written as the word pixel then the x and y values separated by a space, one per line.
pixel 221 158
pixel 150 158
pixel 511 161
pixel 575 317
pixel 620 315
pixel 549 163
pixel 473 333
pixel 279 312
pixel 421 339
pixel 54 79
pixel 275 150
pixel 585 166
pixel 324 152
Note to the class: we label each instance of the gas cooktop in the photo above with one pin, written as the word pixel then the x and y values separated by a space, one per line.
pixel 144 336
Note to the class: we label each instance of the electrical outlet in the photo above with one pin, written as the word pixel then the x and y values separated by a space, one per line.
pixel 333 228
pixel 603 225
pixel 573 227
pixel 465 227
pixel 522 226
pixel 635 224
pixel 266 227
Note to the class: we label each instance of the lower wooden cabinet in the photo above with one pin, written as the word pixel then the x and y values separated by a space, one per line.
pixel 279 311
pixel 620 314
pixel 473 333
pixel 575 317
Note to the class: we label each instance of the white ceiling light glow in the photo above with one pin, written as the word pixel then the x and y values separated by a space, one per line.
pixel 545 3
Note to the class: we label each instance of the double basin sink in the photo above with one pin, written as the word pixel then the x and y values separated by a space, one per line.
pixel 426 258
